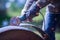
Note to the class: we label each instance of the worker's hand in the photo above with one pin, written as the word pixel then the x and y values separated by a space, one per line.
pixel 15 21
pixel 30 18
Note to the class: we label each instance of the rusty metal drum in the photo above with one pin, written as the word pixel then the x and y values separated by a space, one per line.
pixel 29 32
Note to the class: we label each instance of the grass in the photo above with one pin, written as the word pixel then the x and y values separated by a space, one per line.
pixel 57 36
pixel 12 13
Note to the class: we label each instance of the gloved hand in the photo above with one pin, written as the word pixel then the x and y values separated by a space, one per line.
pixel 32 16
pixel 15 21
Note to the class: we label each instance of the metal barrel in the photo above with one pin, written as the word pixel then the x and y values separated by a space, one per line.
pixel 20 33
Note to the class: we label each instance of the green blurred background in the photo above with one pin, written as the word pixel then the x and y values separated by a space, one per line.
pixel 11 8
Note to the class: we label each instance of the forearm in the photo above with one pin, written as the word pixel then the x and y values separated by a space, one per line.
pixel 42 3
pixel 28 5
pixel 26 8
pixel 35 8
pixel 38 5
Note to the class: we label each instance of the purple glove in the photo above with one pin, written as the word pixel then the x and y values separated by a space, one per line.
pixel 15 21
